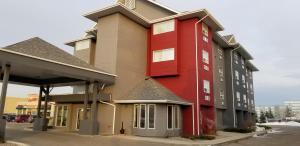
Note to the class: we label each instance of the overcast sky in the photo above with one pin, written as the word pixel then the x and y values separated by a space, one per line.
pixel 267 28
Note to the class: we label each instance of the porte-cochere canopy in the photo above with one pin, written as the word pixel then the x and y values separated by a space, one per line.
pixel 35 62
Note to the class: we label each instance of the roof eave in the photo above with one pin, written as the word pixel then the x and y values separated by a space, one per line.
pixel 152 101
pixel 117 8
pixel 210 20
pixel 72 43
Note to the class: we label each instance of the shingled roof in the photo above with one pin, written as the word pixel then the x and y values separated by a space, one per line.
pixel 39 48
pixel 150 91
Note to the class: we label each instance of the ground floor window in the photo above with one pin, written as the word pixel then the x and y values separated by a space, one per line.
pixel 80 116
pixel 173 120
pixel 61 116
pixel 141 119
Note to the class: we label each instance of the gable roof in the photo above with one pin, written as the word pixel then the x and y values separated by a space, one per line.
pixel 39 48
pixel 163 6
pixel 230 38
pixel 150 91
pixel 118 8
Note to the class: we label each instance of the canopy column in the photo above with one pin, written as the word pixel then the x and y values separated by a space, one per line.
pixel 86 100
pixel 5 79
pixel 41 122
pixel 91 126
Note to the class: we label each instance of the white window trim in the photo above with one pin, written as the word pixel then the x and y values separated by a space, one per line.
pixel 164 27
pixel 134 115
pixel 164 57
pixel 148 120
pixel 140 115
pixel 56 114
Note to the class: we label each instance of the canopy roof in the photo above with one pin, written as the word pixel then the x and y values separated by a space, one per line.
pixel 36 62
pixel 149 91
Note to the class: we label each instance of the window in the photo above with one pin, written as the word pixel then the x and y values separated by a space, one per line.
pixel 243 79
pixel 130 4
pixel 151 116
pixel 163 27
pixel 81 45
pixel 238 96
pixel 170 117
pixel 237 77
pixel 205 39
pixel 252 102
pixel 142 116
pixel 243 62
pixel 245 98
pixel 204 29
pixel 221 72
pixel 61 116
pixel 222 94
pixel 206 85
pixel 205 56
pixel 163 55
pixel 173 115
pixel 206 67
pixel 236 58
pixel 135 116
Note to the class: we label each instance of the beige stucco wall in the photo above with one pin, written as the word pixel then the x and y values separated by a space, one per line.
pixel 121 50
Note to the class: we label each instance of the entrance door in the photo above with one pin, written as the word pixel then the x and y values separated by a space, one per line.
pixel 80 116
pixel 61 116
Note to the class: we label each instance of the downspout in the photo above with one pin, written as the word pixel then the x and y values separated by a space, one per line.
pixel 197 74
pixel 114 116
pixel 233 94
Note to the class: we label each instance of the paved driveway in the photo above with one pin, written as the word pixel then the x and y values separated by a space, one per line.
pixel 283 136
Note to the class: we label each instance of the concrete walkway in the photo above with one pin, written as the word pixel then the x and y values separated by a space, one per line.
pixel 20 133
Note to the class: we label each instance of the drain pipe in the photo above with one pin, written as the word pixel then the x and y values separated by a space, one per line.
pixel 197 73
pixel 233 101
pixel 114 116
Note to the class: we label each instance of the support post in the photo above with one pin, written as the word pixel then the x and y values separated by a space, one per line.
pixel 86 100
pixel 40 102
pixel 91 126
pixel 41 123
pixel 2 102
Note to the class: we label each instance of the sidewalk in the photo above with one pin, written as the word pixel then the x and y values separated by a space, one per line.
pixel 221 138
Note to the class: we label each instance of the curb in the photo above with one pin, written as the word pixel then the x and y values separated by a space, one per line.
pixel 233 140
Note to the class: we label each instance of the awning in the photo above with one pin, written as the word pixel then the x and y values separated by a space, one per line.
pixel 150 91
pixel 35 62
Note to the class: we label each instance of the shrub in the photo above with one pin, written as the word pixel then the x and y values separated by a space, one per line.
pixel 266 127
pixel 203 137
pixel 239 130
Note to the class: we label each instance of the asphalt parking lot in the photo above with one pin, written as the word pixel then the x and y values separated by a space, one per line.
pixel 282 136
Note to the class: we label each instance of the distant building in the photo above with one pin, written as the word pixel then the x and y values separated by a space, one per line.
pixel 279 111
pixel 11 104
pixel 295 107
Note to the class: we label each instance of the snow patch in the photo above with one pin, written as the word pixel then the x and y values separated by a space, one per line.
pixel 291 123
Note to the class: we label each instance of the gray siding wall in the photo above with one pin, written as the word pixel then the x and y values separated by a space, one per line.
pixel 219 80
pixel 250 93
pixel 230 112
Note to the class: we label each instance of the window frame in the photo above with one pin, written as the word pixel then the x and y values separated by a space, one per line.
pixel 164 56
pixel 204 59
pixel 61 118
pixel 177 107
pixel 164 27
pixel 136 115
pixel 140 117
pixel 204 86
pixel 148 117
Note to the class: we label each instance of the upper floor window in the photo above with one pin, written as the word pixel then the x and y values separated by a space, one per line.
pixel 204 29
pixel 237 76
pixel 163 27
pixel 81 45
pixel 243 62
pixel 220 53
pixel 222 94
pixel 221 72
pixel 206 85
pixel 243 79
pixel 238 96
pixel 130 4
pixel 205 57
pixel 164 55
pixel 245 98
pixel 236 58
